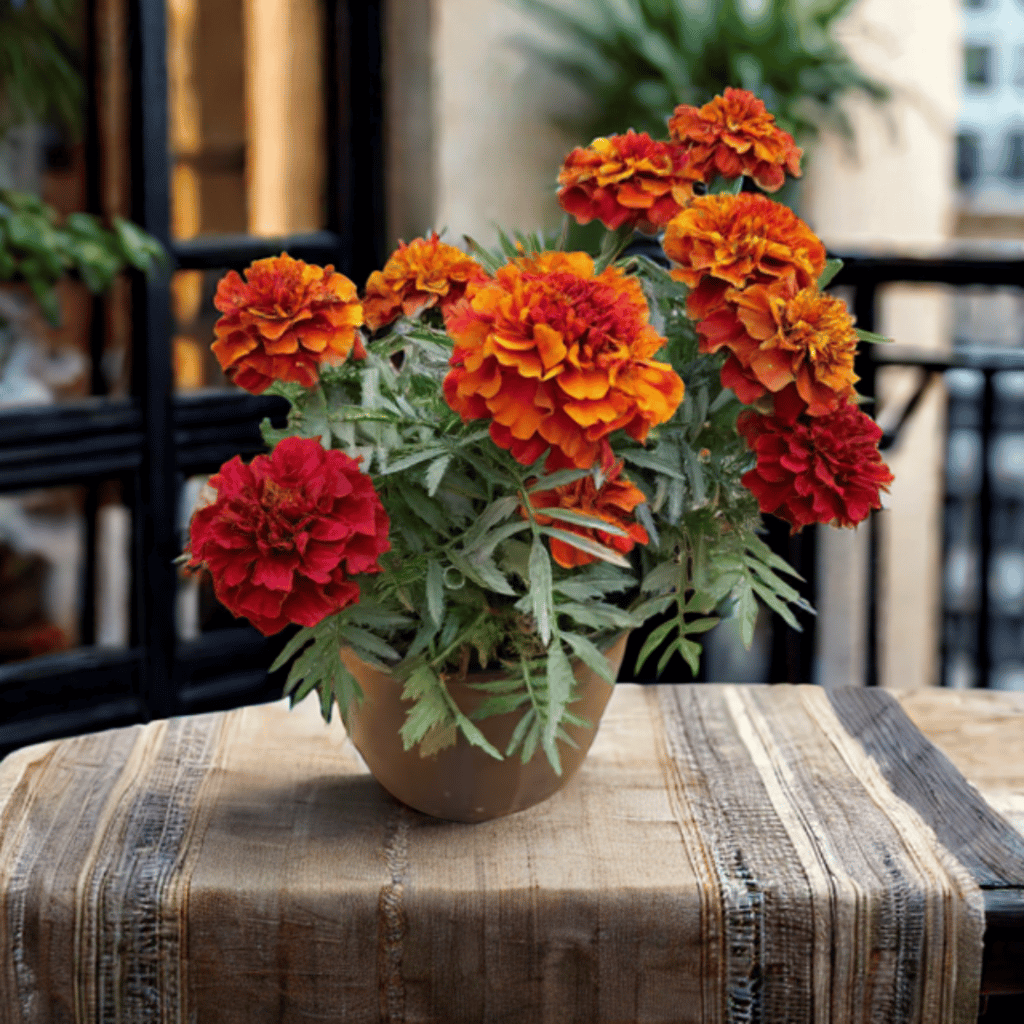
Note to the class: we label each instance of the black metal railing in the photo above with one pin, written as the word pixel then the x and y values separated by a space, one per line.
pixel 866 276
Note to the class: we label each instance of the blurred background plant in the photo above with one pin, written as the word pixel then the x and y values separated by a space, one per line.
pixel 634 61
pixel 41 84
pixel 40 73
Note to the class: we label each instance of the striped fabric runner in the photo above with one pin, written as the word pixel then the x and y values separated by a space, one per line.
pixel 727 854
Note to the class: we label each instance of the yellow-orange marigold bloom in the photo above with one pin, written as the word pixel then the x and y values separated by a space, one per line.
pixel 419 275
pixel 284 320
pixel 558 356
pixel 735 134
pixel 614 503
pixel 724 241
pixel 626 179
pixel 777 338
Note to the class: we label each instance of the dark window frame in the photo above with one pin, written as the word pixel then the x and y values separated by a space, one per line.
pixel 151 441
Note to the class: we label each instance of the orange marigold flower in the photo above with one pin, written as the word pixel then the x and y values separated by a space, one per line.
pixel 283 321
pixel 421 275
pixel 626 179
pixel 558 356
pixel 614 503
pixel 724 241
pixel 777 337
pixel 735 134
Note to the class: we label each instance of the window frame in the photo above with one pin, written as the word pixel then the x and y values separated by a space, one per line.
pixel 152 440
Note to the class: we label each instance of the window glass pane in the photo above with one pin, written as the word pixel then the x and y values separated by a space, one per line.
pixel 978 65
pixel 1018 66
pixel 968 157
pixel 195 365
pixel 65 570
pixel 246 116
pixel 1013 157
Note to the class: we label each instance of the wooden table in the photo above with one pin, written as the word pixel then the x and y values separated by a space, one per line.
pixel 243 867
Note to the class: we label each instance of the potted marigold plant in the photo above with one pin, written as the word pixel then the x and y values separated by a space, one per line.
pixel 496 465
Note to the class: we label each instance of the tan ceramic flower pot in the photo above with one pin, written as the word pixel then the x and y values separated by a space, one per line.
pixel 461 782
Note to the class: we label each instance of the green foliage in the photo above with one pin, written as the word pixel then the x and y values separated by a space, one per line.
pixel 40 80
pixel 636 60
pixel 469 580
pixel 37 249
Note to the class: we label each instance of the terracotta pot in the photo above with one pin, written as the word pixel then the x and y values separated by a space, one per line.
pixel 461 782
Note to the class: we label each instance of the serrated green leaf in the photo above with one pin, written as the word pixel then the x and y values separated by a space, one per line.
pixel 872 338
pixel 530 740
pixel 746 612
pixel 549 481
pixel 301 639
pixel 690 653
pixel 362 640
pixel 590 655
pixel 528 718
pixel 569 515
pixel 700 625
pixel 654 606
pixel 429 708
pixel 540 589
pixel 654 640
pixel 408 461
pixel 649 460
pixel 560 685
pixel 776 605
pixel 661 577
pixel 435 473
pixel 483 572
pixel 596 616
pixel 435 591
pixel 591 547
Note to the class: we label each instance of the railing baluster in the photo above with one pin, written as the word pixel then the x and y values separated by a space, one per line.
pixel 983 654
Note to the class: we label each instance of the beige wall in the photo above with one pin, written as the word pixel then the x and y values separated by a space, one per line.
pixel 494 155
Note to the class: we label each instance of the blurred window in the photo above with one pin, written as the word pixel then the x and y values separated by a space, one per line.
pixel 968 157
pixel 1013 162
pixel 1018 67
pixel 978 66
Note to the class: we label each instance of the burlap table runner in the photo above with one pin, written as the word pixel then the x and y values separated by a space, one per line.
pixel 726 854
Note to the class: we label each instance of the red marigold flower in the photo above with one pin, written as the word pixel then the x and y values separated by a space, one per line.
pixel 425 273
pixel 283 321
pixel 724 241
pixel 614 503
pixel 558 356
pixel 821 470
pixel 735 134
pixel 287 532
pixel 777 338
pixel 626 179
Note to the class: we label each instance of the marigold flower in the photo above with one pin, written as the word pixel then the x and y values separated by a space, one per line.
pixel 558 356
pixel 614 503
pixel 724 241
pixel 419 275
pixel 626 179
pixel 283 321
pixel 735 134
pixel 777 337
pixel 287 532
pixel 821 470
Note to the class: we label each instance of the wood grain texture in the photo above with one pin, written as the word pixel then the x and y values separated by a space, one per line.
pixel 726 854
